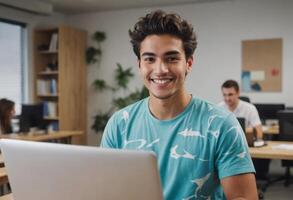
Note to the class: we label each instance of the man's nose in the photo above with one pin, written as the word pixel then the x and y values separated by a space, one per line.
pixel 161 67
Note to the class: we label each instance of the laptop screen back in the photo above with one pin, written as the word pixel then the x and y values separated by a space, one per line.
pixel 68 172
pixel 248 135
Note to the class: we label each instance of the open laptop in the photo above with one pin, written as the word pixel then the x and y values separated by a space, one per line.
pixel 248 135
pixel 46 171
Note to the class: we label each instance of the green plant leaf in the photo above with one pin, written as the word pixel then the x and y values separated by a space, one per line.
pixel 101 85
pixel 99 36
pixel 91 53
pixel 100 121
pixel 131 98
pixel 123 76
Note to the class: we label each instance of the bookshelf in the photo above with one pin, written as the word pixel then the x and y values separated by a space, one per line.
pixel 60 77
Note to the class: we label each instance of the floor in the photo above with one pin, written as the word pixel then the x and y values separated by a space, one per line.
pixel 277 191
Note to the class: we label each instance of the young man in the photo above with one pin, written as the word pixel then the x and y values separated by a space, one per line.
pixel 199 147
pixel 230 91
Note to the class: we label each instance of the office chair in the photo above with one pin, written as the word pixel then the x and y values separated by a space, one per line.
pixel 244 98
pixel 286 134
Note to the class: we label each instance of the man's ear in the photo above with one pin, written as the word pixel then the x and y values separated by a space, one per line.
pixel 189 64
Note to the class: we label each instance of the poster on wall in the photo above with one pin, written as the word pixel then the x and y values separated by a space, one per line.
pixel 262 65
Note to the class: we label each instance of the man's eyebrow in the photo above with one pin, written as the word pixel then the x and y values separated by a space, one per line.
pixel 147 54
pixel 170 53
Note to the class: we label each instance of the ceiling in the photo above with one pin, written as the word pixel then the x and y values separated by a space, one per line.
pixel 82 6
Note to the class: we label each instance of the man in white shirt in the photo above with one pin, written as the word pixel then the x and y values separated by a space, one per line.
pixel 230 90
pixel 248 111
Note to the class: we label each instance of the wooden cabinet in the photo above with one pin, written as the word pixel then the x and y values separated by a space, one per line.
pixel 60 77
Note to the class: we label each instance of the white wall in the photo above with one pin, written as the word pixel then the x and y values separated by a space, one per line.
pixel 33 21
pixel 220 27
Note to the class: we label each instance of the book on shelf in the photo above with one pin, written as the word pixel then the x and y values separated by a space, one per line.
pixel 53 42
pixel 50 109
pixel 53 126
pixel 47 87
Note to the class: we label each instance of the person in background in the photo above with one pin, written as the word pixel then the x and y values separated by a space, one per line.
pixel 7 112
pixel 231 93
pixel 200 147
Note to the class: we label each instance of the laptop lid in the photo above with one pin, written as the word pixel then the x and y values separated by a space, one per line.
pixel 69 172
pixel 241 121
pixel 248 135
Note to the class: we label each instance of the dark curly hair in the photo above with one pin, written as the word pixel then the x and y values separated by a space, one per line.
pixel 159 22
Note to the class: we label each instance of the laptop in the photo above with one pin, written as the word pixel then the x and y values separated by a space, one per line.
pixel 248 135
pixel 49 171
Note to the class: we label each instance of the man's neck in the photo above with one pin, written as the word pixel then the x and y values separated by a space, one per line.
pixel 234 106
pixel 169 108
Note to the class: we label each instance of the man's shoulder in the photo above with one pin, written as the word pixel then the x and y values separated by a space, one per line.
pixel 208 108
pixel 246 105
pixel 130 110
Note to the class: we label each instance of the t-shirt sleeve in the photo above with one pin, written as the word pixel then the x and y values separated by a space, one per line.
pixel 254 117
pixel 232 154
pixel 110 137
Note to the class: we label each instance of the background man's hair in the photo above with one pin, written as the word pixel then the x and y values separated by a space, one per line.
pixel 231 84
pixel 159 22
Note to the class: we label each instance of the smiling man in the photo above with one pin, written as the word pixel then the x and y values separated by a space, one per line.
pixel 200 148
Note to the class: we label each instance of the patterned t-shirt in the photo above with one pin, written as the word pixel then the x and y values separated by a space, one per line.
pixel 196 149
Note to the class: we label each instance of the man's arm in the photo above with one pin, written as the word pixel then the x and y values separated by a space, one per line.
pixel 240 187
pixel 258 132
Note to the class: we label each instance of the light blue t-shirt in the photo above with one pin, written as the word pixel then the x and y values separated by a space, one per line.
pixel 196 149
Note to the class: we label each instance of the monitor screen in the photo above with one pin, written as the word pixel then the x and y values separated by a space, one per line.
pixel 269 111
pixel 286 124
pixel 31 116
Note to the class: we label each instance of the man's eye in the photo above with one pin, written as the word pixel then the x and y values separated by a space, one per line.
pixel 149 59
pixel 172 59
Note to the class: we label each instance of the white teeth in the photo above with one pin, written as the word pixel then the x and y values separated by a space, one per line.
pixel 161 81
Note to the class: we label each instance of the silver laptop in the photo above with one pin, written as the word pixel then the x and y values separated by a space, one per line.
pixel 46 171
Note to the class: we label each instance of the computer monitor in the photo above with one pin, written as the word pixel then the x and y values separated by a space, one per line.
pixel 285 125
pixel 268 111
pixel 31 116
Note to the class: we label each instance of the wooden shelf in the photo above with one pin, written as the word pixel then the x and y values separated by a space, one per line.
pixel 47 95
pixel 48 52
pixel 51 118
pixel 44 73
pixel 70 100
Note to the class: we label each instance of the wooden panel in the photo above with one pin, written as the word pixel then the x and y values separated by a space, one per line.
pixel 72 80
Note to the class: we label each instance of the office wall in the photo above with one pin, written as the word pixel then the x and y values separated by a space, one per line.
pixel 32 21
pixel 220 27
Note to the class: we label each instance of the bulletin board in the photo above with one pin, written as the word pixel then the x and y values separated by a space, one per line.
pixel 262 65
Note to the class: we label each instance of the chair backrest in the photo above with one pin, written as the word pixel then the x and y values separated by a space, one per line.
pixel 269 110
pixel 244 98
pixel 285 125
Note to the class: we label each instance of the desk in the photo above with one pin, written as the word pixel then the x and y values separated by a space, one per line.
pixel 268 152
pixel 44 137
pixel 6 197
pixel 269 130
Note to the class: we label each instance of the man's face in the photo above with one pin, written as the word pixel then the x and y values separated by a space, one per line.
pixel 230 96
pixel 163 65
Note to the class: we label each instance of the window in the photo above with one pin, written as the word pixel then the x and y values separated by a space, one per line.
pixel 12 79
